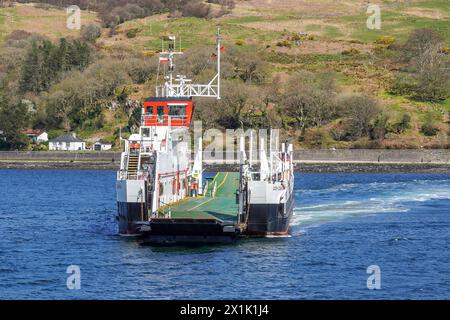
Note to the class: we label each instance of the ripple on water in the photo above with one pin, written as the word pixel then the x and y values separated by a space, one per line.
pixel 342 223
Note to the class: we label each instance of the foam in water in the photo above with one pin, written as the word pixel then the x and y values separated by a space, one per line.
pixel 364 198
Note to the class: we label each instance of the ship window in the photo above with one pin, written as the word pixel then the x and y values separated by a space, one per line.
pixel 149 111
pixel 160 111
pixel 146 132
pixel 177 111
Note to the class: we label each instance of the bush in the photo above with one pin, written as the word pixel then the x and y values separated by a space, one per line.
pixel 141 70
pixel 385 40
pixel 284 43
pixel 381 127
pixel 403 84
pixel 429 129
pixel 132 33
pixel 228 4
pixel 351 51
pixel 317 138
pixel 367 144
pixel 91 32
pixel 341 132
pixel 195 9
pixel 404 123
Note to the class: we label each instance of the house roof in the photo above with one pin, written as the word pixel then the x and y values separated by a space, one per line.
pixel 102 142
pixel 34 132
pixel 70 137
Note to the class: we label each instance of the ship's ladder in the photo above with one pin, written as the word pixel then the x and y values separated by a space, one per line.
pixel 133 162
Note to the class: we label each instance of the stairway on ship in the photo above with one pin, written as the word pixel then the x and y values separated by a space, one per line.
pixel 133 160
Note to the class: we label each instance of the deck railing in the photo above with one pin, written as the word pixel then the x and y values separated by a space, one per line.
pixel 149 120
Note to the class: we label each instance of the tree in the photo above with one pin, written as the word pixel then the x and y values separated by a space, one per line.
pixel 250 68
pixel 135 120
pixel 30 79
pixel 310 99
pixel 46 63
pixel 426 73
pixel 14 119
pixel 233 102
pixel 196 9
pixel 360 110
pixel 78 100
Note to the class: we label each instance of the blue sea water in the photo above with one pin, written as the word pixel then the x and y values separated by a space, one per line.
pixel 343 223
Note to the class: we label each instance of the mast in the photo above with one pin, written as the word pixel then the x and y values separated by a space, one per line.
pixel 180 86
pixel 219 49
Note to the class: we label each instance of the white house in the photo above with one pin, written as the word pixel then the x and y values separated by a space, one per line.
pixel 67 142
pixel 101 145
pixel 36 135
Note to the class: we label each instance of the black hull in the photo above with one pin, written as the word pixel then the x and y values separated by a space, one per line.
pixel 128 214
pixel 164 232
pixel 270 219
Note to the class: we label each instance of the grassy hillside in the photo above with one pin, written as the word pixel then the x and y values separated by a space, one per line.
pixel 50 22
pixel 333 37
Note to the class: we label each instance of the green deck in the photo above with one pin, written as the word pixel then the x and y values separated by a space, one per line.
pixel 223 206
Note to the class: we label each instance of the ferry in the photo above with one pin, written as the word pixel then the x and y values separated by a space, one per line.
pixel 162 196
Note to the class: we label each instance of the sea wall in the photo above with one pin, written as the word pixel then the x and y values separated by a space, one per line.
pixel 372 155
pixel 351 160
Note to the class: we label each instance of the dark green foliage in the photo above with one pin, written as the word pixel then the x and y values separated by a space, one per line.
pixel 30 80
pixel 135 119
pixel 404 124
pixel 14 119
pixel 132 33
pixel 381 127
pixel 45 63
pixel 428 127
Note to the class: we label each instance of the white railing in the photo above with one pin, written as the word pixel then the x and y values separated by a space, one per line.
pixel 188 90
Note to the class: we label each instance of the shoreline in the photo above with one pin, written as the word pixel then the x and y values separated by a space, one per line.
pixel 319 167
pixel 320 160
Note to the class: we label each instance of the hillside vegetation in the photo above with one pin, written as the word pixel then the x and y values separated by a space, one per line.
pixel 312 68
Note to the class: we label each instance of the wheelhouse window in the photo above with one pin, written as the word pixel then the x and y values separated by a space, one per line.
pixel 160 111
pixel 177 111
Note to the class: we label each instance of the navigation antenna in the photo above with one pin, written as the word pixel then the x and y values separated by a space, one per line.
pixel 183 86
